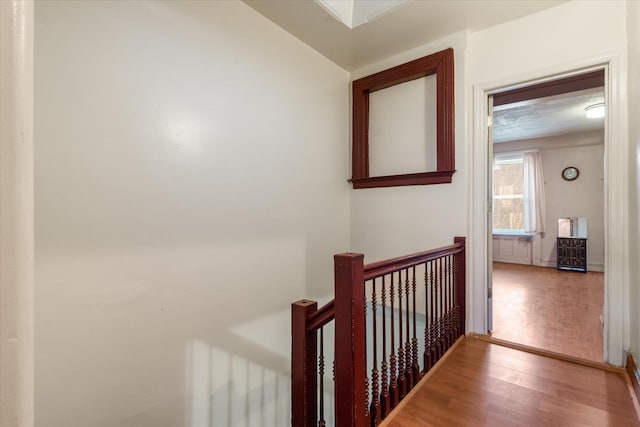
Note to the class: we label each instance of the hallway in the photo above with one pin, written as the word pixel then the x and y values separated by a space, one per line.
pixel 485 384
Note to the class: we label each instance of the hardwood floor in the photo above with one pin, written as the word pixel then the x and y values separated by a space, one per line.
pixel 483 384
pixel 549 309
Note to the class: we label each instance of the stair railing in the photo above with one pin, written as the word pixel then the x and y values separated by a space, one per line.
pixel 394 320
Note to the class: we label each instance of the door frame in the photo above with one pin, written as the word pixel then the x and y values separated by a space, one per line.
pixel 616 332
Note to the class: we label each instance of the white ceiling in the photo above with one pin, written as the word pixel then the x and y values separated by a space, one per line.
pixel 354 13
pixel 549 116
pixel 415 23
pixel 398 27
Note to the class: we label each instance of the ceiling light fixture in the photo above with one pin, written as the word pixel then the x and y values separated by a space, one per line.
pixel 595 111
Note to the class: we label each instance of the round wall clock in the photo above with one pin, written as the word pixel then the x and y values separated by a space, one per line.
pixel 570 173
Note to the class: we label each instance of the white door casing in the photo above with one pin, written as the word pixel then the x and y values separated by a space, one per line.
pixel 616 309
pixel 490 201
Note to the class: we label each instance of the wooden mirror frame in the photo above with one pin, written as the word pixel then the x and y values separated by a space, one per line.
pixel 440 64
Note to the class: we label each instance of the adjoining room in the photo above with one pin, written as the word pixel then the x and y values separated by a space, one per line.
pixel 548 221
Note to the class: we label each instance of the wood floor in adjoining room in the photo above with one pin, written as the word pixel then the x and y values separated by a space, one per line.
pixel 542 307
pixel 484 384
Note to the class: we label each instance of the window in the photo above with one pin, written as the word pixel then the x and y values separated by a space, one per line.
pixel 508 194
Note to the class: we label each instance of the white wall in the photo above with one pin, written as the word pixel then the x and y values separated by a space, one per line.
pixel 191 167
pixel 583 197
pixel 541 45
pixel 16 214
pixel 547 38
pixel 633 34
pixel 388 222
pixel 512 249
pixel 409 110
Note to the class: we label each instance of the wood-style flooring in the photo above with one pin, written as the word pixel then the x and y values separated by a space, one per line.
pixel 484 384
pixel 542 307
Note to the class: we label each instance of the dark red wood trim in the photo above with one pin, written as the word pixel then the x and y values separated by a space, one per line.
pixel 461 282
pixel 632 368
pixel 441 64
pixel 324 315
pixel 421 178
pixel 350 351
pixel 556 87
pixel 360 142
pixel 403 73
pixel 446 149
pixel 380 268
pixel 304 368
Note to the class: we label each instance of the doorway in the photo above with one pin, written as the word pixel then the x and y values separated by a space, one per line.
pixel 615 205
pixel 539 134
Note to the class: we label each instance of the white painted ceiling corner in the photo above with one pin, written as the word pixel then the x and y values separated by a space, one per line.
pixel 334 27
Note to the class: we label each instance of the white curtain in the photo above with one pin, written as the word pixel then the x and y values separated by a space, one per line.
pixel 533 193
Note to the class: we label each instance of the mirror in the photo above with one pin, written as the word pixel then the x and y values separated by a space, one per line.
pixel 572 227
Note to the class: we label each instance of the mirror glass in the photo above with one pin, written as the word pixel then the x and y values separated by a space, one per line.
pixel 574 226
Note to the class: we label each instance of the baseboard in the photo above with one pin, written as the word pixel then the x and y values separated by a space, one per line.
pixel 634 374
pixel 521 261
pixel 591 267
pixel 550 264
pixel 550 354
pixel 596 267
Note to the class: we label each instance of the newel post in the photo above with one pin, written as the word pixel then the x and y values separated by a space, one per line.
pixel 350 346
pixel 461 282
pixel 304 368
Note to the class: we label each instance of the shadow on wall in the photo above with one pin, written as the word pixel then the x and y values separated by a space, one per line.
pixel 113 328
pixel 228 390
pixel 250 386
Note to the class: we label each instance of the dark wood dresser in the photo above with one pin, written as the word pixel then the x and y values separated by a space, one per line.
pixel 572 254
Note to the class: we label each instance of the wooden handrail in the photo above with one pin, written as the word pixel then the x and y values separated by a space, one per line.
pixel 324 315
pixel 380 268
